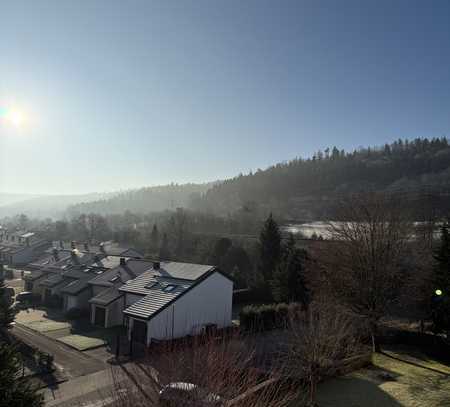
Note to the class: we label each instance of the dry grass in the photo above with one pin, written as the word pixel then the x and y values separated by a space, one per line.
pixel 401 377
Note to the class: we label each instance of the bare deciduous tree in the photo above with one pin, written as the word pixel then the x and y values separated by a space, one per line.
pixel 363 265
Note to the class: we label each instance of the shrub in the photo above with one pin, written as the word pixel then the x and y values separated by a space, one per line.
pixel 268 316
pixel 74 313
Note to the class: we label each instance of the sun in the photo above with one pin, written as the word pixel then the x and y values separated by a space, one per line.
pixel 16 118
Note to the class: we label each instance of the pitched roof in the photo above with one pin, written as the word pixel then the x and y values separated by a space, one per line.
pixel 154 283
pixel 106 297
pixel 132 269
pixel 160 294
pixel 33 275
pixel 52 280
pixel 167 270
pixel 107 262
pixel 76 286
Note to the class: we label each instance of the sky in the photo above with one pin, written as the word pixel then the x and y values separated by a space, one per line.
pixel 107 95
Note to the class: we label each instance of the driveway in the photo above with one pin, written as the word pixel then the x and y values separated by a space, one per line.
pixel 70 362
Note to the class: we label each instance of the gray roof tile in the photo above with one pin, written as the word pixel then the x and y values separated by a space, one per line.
pixel 157 297
pixel 106 297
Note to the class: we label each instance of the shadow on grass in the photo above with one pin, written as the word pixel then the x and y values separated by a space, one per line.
pixel 353 392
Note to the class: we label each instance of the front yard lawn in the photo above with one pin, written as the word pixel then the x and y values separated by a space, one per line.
pixel 399 377
pixel 46 325
pixel 82 342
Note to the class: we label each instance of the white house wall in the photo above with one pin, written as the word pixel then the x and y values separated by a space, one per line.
pixel 210 302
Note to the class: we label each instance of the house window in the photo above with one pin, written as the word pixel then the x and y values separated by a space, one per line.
pixel 169 288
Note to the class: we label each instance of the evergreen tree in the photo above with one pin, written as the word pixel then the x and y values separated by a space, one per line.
pixel 7 313
pixel 270 249
pixel 154 239
pixel 288 284
pixel 440 307
pixel 221 248
pixel 15 391
pixel 164 252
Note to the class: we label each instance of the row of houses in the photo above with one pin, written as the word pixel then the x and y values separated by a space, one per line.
pixel 154 300
pixel 20 247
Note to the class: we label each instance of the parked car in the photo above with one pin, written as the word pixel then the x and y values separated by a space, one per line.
pixel 24 297
pixel 179 394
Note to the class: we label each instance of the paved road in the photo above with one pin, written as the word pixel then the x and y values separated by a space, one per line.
pixel 86 390
pixel 70 362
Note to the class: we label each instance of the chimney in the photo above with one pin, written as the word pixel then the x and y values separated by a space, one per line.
pixel 55 254
pixel 61 244
pixel 123 261
pixel 86 246
pixel 73 244
pixel 156 265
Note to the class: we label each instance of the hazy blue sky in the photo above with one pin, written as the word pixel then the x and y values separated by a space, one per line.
pixel 120 94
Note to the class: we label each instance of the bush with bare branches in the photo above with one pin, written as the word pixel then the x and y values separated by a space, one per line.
pixel 320 340
pixel 220 367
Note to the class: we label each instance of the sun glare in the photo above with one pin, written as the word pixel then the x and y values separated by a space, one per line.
pixel 14 118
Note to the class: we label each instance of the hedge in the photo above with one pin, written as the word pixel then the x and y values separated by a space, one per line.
pixel 266 317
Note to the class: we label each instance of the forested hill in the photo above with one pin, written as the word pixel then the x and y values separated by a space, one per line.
pixel 307 188
pixel 144 200
pixel 302 189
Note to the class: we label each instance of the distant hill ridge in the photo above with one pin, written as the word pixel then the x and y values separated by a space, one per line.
pixel 303 188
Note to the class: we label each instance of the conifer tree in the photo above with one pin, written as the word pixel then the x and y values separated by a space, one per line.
pixel 15 391
pixel 7 313
pixel 288 284
pixel 164 252
pixel 154 239
pixel 270 249
pixel 440 306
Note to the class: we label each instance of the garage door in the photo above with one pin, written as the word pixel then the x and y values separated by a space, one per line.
pixel 139 331
pixel 100 316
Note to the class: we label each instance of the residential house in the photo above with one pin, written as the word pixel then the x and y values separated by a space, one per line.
pixel 20 247
pixel 172 300
pixel 107 302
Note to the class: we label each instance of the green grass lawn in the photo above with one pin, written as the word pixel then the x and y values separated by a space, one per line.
pixel 82 342
pixel 401 377
pixel 46 325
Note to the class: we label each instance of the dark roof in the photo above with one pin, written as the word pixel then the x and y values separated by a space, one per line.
pixel 52 280
pixel 168 270
pixel 107 248
pixel 48 259
pixel 77 286
pixel 76 258
pixel 157 298
pixel 107 262
pixel 33 275
pixel 132 269
pixel 106 297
